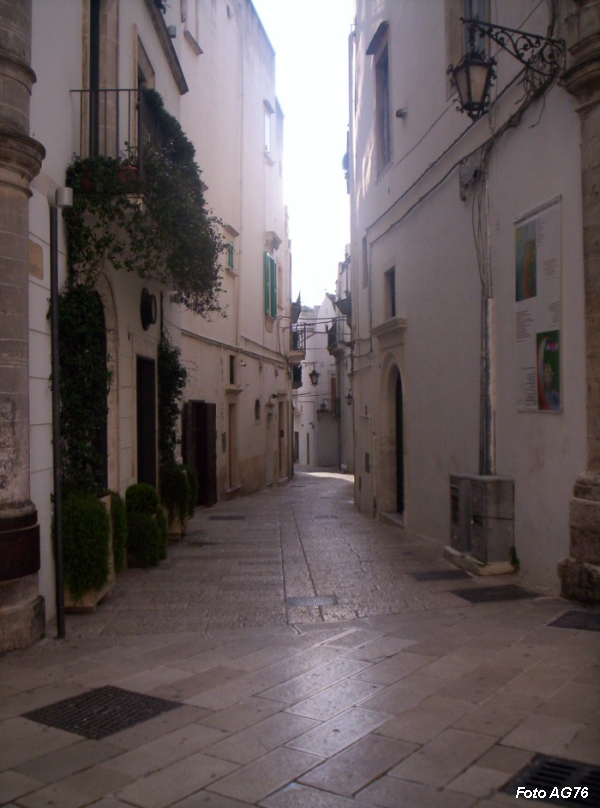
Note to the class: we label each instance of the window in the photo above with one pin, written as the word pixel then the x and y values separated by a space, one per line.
pixel 257 410
pixel 270 273
pixel 389 280
pixel 457 36
pixel 475 10
pixel 230 255
pixel 382 109
pixel 365 264
pixel 231 369
pixel 268 119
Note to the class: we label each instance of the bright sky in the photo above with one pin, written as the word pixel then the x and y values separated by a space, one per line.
pixel 311 42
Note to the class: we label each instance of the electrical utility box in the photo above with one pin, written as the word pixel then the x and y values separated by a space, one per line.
pixel 492 518
pixel 460 512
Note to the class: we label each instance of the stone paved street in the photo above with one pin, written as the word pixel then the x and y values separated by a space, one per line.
pixel 399 694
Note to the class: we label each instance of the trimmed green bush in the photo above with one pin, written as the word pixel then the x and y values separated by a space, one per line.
pixel 86 537
pixel 192 476
pixel 163 533
pixel 141 498
pixel 142 539
pixel 119 530
pixel 175 492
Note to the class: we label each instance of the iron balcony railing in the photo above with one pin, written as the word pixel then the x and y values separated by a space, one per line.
pixel 298 337
pixel 336 332
pixel 115 121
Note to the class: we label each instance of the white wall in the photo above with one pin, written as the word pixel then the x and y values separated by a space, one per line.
pixel 414 220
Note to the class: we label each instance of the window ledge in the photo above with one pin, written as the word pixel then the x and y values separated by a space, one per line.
pixel 233 389
pixel 390 332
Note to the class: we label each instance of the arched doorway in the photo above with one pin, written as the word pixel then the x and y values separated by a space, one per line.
pixel 391 472
pixel 399 447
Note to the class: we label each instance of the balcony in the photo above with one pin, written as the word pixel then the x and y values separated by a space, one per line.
pixel 296 377
pixel 113 122
pixel 297 348
pixel 336 344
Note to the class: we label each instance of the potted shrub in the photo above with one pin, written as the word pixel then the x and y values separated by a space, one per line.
pixel 87 550
pixel 143 535
pixel 175 498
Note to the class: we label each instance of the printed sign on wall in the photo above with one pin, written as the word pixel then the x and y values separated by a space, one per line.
pixel 537 309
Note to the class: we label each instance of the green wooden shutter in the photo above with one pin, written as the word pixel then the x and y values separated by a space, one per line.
pixel 273 288
pixel 267 278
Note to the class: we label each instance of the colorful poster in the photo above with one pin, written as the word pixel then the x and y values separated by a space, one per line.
pixel 537 309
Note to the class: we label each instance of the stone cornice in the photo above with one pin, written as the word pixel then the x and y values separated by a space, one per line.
pixel 21 155
pixel 167 45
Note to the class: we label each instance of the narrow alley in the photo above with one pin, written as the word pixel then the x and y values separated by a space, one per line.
pixel 293 653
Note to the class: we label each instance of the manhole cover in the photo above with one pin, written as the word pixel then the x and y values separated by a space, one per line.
pixel 491 594
pixel 564 782
pixel 584 621
pixel 323 600
pixel 101 712
pixel 439 575
pixel 224 518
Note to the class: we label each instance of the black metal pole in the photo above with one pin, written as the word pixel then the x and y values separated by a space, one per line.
pixel 58 550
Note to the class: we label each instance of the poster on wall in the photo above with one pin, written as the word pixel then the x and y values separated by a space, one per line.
pixel 537 309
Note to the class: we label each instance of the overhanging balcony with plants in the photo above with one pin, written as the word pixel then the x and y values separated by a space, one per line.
pixel 138 200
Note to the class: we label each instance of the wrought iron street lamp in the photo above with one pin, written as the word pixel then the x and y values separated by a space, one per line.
pixel 314 377
pixel 543 58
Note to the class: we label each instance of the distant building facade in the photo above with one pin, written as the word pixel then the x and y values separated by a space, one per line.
pixel 316 400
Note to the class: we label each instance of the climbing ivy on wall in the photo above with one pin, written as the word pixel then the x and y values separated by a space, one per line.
pixel 172 376
pixel 154 222
pixel 84 382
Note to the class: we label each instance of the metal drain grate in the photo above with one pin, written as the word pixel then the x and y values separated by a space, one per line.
pixel 492 594
pixel 323 600
pixel 326 516
pixel 101 712
pixel 565 779
pixel 584 621
pixel 439 575
pixel 230 518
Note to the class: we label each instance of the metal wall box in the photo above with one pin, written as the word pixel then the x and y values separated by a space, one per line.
pixel 492 518
pixel 460 514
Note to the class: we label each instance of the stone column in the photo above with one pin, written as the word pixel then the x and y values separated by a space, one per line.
pixel 21 607
pixel 580 572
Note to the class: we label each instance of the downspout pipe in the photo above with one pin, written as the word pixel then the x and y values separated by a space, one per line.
pixel 61 198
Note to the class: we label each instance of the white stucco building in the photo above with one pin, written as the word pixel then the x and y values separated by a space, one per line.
pixel 459 367
pixel 214 68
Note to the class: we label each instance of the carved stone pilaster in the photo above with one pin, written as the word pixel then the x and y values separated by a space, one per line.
pixel 580 572
pixel 21 607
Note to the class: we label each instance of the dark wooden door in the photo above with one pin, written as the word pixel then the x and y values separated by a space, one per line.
pixel 199 446
pixel 146 420
pixel 399 448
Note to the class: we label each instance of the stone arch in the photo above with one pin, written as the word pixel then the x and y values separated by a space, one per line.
pixel 392 472
pixel 111 321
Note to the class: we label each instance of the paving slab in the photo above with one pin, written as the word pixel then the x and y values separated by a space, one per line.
pixel 400 694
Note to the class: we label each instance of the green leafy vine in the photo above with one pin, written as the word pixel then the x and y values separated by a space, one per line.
pixel 154 222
